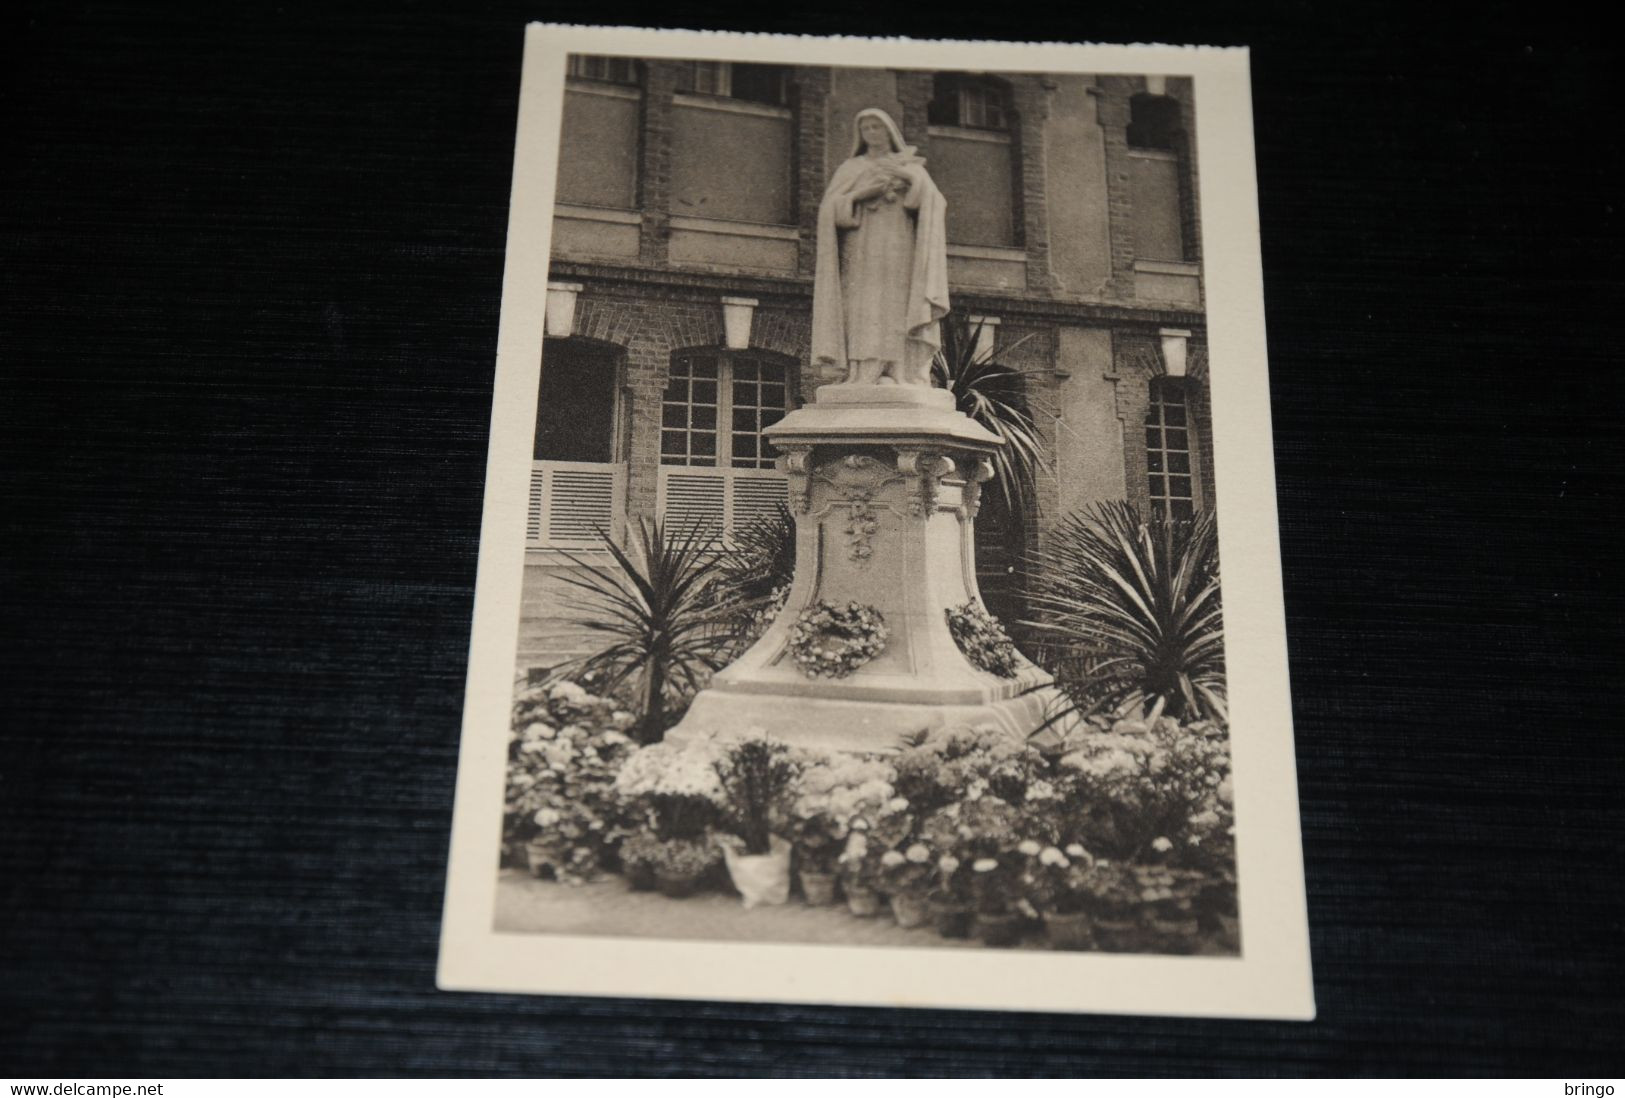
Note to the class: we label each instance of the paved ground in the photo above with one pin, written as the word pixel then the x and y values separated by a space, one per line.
pixel 525 904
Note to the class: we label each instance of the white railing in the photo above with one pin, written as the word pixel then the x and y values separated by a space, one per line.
pixel 570 501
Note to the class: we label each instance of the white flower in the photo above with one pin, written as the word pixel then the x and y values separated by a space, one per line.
pixel 1224 791
pixel 1052 856
pixel 1028 847
pixel 891 859
pixel 947 863
pixel 1205 818
pixel 897 804
pixel 568 692
pixel 1076 850
pixel 985 865
pixel 1161 845
pixel 546 817
pixel 919 854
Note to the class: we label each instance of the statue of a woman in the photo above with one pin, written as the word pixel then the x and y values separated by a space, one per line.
pixel 881 284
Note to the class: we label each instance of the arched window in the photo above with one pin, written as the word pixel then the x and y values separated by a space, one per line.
pixel 598 144
pixel 973 158
pixel 1170 479
pixel 717 470
pixel 1153 147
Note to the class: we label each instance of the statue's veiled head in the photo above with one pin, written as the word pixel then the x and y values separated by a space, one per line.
pixel 874 128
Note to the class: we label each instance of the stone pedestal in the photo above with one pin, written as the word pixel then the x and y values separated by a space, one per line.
pixel 885 483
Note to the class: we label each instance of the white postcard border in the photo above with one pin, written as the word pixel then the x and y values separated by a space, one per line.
pixel 1271 979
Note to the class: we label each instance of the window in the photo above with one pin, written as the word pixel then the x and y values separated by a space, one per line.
pixel 767 84
pixel 716 406
pixel 974 159
pixel 732 148
pixel 1168 451
pixel 610 70
pixel 598 144
pixel 972 102
pixel 1153 122
pixel 1156 173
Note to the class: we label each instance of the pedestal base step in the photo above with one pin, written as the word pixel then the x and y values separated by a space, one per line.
pixel 869 727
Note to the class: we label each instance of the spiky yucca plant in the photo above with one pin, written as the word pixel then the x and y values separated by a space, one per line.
pixel 762 560
pixel 1132 608
pixel 662 619
pixel 993 394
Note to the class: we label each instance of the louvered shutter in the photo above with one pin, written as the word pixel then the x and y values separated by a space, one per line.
pixel 756 497
pixel 694 501
pixel 571 501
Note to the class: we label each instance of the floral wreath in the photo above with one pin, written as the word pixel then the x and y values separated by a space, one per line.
pixel 983 640
pixel 834 641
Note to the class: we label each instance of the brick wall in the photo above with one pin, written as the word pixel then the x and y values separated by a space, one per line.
pixel 1114 118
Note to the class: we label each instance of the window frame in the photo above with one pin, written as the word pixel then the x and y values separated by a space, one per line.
pixel 1159 454
pixel 724 409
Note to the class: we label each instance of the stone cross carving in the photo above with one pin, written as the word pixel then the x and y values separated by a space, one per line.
pixel 880 287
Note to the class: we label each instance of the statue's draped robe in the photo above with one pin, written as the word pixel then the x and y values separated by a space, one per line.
pixel 882 277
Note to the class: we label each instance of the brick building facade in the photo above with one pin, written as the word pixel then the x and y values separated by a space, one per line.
pixel 680 290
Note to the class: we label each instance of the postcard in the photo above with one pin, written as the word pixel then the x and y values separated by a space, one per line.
pixel 879 594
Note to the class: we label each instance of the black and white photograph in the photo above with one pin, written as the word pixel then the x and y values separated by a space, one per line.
pixel 871 589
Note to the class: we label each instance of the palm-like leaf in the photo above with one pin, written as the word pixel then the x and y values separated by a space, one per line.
pixel 1132 609
pixel 659 614
pixel 993 393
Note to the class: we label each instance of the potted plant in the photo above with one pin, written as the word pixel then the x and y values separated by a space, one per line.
pixel 999 914
pixel 673 795
pixel 953 910
pixel 680 865
pixel 857 872
pixel 831 796
pixel 1169 897
pixel 874 830
pixel 906 878
pixel 757 776
pixel 1061 895
pixel 639 855
pixel 1113 897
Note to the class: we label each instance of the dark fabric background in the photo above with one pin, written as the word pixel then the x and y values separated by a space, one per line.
pixel 252 257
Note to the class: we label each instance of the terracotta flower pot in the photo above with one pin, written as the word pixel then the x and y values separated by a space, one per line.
pixel 998 930
pixel 536 858
pixel 909 910
pixel 818 888
pixel 1173 935
pixel 677 886
pixel 862 901
pixel 952 919
pixel 1072 930
pixel 1119 935
pixel 640 877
